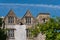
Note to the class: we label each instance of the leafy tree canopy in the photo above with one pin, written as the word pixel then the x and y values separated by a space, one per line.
pixel 0 21
pixel 51 29
pixel 3 34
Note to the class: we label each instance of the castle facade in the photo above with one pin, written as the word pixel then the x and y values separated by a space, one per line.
pixel 27 19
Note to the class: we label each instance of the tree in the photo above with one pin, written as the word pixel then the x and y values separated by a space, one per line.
pixel 51 29
pixel 3 34
pixel 0 22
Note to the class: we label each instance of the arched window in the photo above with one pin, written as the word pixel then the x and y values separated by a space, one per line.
pixel 28 20
pixel 10 19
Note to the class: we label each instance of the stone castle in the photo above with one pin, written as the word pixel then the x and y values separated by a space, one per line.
pixel 27 19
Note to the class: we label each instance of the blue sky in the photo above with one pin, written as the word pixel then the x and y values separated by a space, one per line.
pixel 35 6
pixel 54 2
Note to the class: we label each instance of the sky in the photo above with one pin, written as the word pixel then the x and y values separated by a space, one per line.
pixel 35 6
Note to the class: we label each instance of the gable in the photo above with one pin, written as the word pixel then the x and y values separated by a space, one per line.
pixel 43 15
pixel 11 13
pixel 28 13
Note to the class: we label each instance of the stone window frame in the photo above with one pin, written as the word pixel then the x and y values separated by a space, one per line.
pixel 28 20
pixel 10 33
pixel 10 19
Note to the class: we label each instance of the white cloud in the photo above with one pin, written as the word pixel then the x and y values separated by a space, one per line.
pixel 36 5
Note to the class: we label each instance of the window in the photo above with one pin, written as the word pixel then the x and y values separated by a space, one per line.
pixel 10 19
pixel 27 32
pixel 11 33
pixel 28 20
pixel 43 19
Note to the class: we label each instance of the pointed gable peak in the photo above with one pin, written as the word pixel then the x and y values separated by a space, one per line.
pixel 28 13
pixel 11 10
pixel 11 13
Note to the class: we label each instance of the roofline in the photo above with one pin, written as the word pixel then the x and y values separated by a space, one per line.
pixel 26 13
pixel 42 14
pixel 8 13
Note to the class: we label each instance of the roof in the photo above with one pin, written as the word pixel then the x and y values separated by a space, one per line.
pixel 26 14
pixel 44 13
pixel 10 12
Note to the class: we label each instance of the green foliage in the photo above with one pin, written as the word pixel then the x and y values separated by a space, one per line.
pixel 58 37
pixel 49 28
pixel 0 21
pixel 3 35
